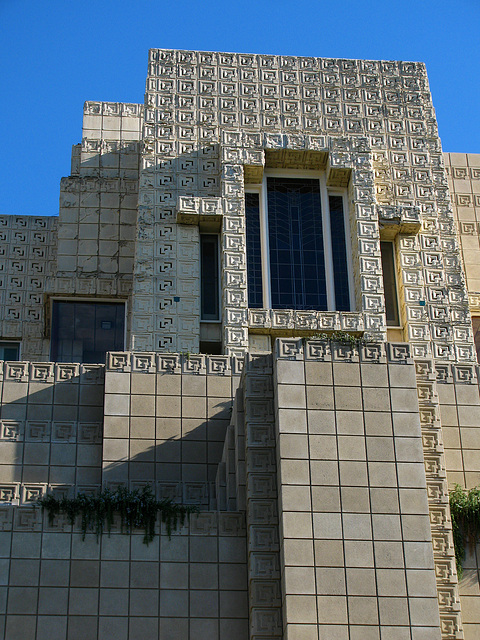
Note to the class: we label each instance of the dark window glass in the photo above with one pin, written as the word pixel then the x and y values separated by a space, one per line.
pixel 254 252
pixel 209 277
pixel 389 284
pixel 211 348
pixel 476 334
pixel 339 254
pixel 9 351
pixel 297 263
pixel 85 331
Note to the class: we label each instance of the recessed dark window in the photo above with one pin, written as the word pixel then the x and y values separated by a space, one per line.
pixel 9 351
pixel 209 276
pixel 390 284
pixel 476 334
pixel 307 260
pixel 85 331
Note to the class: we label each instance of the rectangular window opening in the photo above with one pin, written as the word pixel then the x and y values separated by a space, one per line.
pixel 85 331
pixel 209 277
pixel 9 350
pixel 297 256
pixel 476 334
pixel 390 284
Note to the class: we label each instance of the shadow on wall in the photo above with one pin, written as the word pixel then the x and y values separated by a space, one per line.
pixel 50 429
pixel 53 438
pixel 179 457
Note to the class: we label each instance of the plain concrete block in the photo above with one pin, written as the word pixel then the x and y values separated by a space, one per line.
pixel 290 372
pixel 391 582
pixel 299 580
pixel 348 398
pixel 332 610
pixel 322 447
pixel 351 447
pixel 320 398
pixel 355 499
pixel 117 382
pixel 291 396
pixel 357 526
pixel 292 421
pixel 142 405
pixel 362 610
pixel 295 498
pixel 330 553
pixel 327 525
pixel 318 373
pixel 386 527
pixel 300 609
pixel 374 375
pixel 296 525
pixel 330 581
pixel 117 405
pixel 326 499
pixel 361 582
pixel 393 611
pixel 295 552
pixel 404 399
pixel 346 374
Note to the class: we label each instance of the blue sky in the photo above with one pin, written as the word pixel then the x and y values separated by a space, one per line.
pixel 55 55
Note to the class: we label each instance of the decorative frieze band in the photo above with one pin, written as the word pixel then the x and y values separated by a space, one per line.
pixel 51 372
pixel 438 498
pixel 261 500
pixel 174 363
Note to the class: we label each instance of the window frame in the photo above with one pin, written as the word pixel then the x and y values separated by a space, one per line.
pixel 91 300
pixel 219 279
pixel 13 342
pixel 325 192
pixel 394 283
pixel 475 317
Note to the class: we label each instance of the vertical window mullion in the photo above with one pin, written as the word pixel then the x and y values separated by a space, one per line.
pixel 327 244
pixel 340 260
pixel 265 245
pixel 390 284
pixel 209 271
pixel 254 250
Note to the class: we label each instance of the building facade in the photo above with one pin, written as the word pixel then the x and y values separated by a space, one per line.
pixel 178 325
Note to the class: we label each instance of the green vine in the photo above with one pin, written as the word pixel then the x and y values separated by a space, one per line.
pixel 138 509
pixel 340 336
pixel 465 512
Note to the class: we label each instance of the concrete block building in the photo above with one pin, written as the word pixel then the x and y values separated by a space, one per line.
pixel 177 325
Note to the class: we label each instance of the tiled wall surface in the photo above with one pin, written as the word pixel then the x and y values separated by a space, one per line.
pixel 27 259
pixel 463 171
pixel 51 429
pixel 356 548
pixel 97 220
pixel 166 416
pixel 56 586
pixel 369 125
pixel 459 404
pixel 324 446
pixel 339 459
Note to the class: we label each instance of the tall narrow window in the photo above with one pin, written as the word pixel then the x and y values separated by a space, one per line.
pixel 210 307
pixel 389 284
pixel 254 251
pixel 297 254
pixel 339 254
pixel 85 331
pixel 476 334
pixel 295 235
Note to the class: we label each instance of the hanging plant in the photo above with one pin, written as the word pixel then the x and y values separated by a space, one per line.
pixel 465 512
pixel 138 509
pixel 340 336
